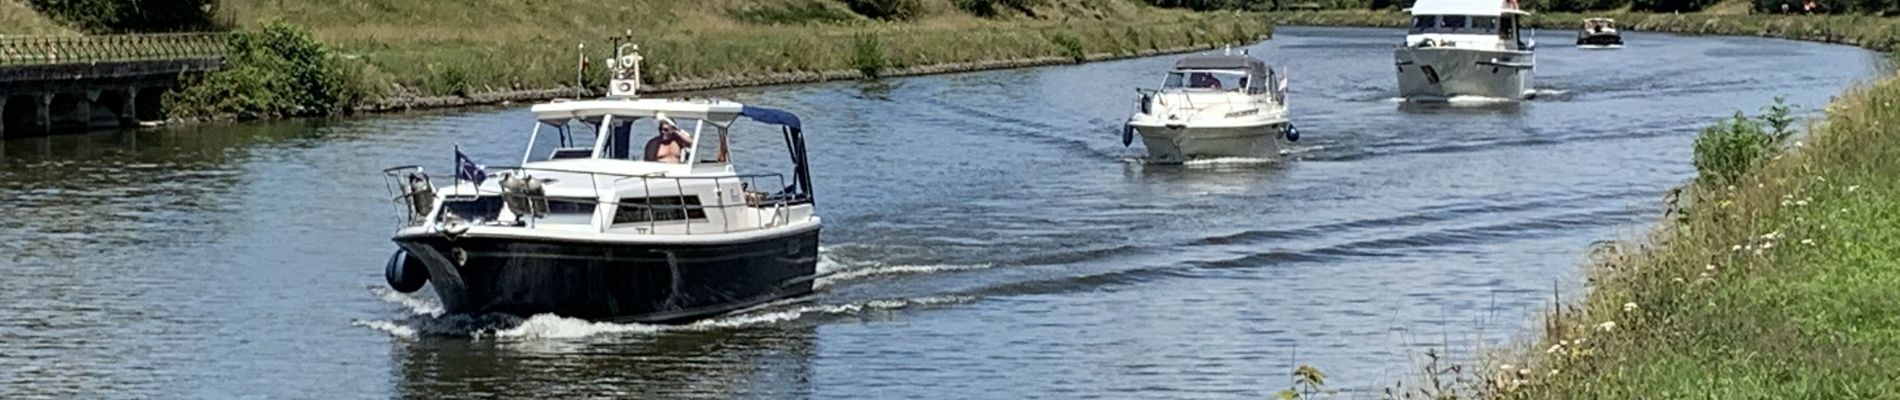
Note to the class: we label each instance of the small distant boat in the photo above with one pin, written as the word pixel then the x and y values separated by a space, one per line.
pixel 1465 48
pixel 1599 33
pixel 1213 106
pixel 591 226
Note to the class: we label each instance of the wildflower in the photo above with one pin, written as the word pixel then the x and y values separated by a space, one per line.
pixel 1629 307
pixel 1607 326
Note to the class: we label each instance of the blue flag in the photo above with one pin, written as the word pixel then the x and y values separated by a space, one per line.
pixel 466 168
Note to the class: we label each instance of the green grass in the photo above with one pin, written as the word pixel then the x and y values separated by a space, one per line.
pixel 1782 285
pixel 16 18
pixel 489 45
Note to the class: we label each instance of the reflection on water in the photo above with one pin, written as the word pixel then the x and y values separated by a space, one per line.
pixel 762 361
pixel 988 234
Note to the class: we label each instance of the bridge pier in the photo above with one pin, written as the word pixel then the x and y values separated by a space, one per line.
pixel 128 107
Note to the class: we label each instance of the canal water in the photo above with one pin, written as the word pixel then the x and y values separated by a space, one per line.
pixel 990 235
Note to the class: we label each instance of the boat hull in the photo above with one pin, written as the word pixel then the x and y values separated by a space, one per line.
pixel 1178 143
pixel 1603 40
pixel 1442 73
pixel 619 282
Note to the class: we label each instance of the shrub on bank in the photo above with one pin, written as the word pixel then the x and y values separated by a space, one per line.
pixel 1671 5
pixel 993 8
pixel 1207 5
pixel 279 70
pixel 867 55
pixel 807 12
pixel 131 15
pixel 891 10
pixel 1733 147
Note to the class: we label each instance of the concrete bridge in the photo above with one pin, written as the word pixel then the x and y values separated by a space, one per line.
pixel 85 82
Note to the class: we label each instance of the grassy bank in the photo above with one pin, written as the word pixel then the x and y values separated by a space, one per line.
pixel 1875 33
pixel 418 48
pixel 16 18
pixel 1776 279
pixel 1780 283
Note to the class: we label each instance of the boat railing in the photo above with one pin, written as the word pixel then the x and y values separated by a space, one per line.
pixel 414 193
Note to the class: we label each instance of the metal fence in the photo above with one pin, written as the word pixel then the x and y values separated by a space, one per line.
pixel 41 50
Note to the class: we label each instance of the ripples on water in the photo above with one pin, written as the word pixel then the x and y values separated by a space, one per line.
pixel 987 236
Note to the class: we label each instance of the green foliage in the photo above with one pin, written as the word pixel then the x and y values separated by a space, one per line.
pixel 1733 147
pixel 1582 5
pixel 1308 383
pixel 867 55
pixel 278 70
pixel 994 8
pixel 890 10
pixel 1070 45
pixel 807 12
pixel 1670 5
pixel 131 15
pixel 1207 5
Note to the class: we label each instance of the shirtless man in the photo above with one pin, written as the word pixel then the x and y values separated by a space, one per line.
pixel 670 146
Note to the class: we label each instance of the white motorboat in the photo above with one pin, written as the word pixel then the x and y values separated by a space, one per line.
pixel 1465 48
pixel 1214 106
pixel 590 226
pixel 1599 33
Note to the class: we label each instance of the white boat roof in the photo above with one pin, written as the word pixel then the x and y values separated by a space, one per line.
pixel 1466 7
pixel 717 112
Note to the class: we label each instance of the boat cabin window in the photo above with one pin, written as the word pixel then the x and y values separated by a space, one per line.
pixel 658 209
pixel 569 211
pixel 1454 24
pixel 1206 79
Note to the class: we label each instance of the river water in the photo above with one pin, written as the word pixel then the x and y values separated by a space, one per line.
pixel 991 237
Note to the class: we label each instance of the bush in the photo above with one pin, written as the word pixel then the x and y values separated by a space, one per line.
pixel 1206 5
pixel 993 8
pixel 275 71
pixel 131 15
pixel 1070 45
pixel 1733 147
pixel 867 55
pixel 1582 5
pixel 1669 5
pixel 892 10
pixel 810 11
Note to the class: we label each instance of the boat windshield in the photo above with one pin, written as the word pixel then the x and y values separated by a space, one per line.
pixel 1477 24
pixel 625 138
pixel 1206 79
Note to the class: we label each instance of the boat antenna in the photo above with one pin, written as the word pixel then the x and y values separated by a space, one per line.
pixel 625 68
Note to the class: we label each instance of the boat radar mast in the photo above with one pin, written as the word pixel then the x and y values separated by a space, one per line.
pixel 625 67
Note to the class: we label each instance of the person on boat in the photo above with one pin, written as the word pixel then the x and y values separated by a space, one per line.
pixel 669 146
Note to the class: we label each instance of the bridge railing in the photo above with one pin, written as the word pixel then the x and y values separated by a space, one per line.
pixel 39 50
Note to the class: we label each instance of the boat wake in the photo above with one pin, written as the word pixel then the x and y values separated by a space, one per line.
pixel 1220 162
pixel 549 326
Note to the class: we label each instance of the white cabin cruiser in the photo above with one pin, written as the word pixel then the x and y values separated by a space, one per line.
pixel 1213 106
pixel 1599 33
pixel 1465 48
pixel 590 226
